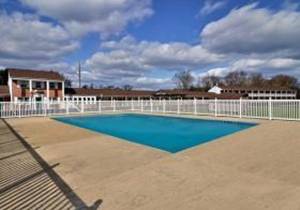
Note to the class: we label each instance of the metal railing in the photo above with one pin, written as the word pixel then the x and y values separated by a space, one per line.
pixel 261 109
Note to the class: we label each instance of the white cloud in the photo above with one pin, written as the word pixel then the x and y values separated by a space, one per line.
pixel 25 41
pixel 147 82
pixel 130 60
pixel 171 56
pixel 251 30
pixel 211 6
pixel 104 16
pixel 218 72
pixel 283 65
pixel 268 67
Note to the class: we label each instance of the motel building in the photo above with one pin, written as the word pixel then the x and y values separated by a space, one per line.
pixel 256 93
pixel 34 86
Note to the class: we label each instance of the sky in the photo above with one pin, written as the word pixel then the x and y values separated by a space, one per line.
pixel 145 42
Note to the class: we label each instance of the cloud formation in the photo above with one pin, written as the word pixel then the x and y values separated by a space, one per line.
pixel 211 6
pixel 104 16
pixel 129 60
pixel 25 41
pixel 248 38
pixel 170 56
pixel 252 30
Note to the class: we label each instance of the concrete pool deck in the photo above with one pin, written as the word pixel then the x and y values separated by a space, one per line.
pixel 258 168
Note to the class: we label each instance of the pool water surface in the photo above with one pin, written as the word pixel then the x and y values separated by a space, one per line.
pixel 171 134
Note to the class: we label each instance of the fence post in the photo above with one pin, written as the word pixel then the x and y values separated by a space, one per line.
pixel 195 106
pixel 270 108
pixel 45 109
pixel 142 105
pixel 82 106
pixel 114 105
pixel 132 107
pixel 99 106
pixel 151 105
pixel 178 106
pixel 164 105
pixel 67 106
pixel 216 107
pixel 19 110
pixel 298 109
pixel 240 107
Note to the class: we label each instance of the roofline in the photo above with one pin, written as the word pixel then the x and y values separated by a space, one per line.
pixel 254 88
pixel 35 79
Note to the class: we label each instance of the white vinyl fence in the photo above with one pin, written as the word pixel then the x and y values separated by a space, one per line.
pixel 261 109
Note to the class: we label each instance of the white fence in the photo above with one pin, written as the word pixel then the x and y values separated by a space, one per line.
pixel 261 109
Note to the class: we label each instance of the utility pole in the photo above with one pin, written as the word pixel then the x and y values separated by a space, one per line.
pixel 79 74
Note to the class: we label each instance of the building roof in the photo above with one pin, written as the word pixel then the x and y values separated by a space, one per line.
pixel 197 94
pixel 254 88
pixel 107 92
pixel 35 74
pixel 4 92
pixel 144 93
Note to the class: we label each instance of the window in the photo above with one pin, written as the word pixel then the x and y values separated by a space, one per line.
pixel 52 85
pixel 23 84
pixel 36 85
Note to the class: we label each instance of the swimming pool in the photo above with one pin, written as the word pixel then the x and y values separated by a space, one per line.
pixel 170 134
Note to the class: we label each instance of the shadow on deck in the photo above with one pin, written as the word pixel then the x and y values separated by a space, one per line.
pixel 27 181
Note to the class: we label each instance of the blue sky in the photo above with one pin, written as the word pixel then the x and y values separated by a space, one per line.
pixel 144 42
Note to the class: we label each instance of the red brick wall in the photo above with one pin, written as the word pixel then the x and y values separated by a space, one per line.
pixel 55 93
pixel 19 92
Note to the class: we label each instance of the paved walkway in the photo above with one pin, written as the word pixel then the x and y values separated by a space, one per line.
pixel 257 168
pixel 27 181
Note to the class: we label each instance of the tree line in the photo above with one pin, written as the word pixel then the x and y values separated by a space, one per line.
pixel 185 80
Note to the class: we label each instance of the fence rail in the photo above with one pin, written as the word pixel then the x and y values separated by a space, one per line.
pixel 261 109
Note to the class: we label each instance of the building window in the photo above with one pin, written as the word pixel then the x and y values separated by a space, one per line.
pixel 53 85
pixel 38 85
pixel 23 84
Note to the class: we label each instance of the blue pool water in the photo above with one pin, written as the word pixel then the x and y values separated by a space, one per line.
pixel 171 134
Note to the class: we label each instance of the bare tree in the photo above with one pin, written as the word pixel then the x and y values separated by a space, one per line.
pixel 209 81
pixel 183 79
pixel 285 81
pixel 68 82
pixel 256 80
pixel 237 78
pixel 127 87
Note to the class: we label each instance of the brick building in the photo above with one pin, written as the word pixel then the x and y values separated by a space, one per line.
pixel 31 85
